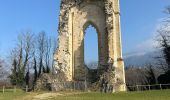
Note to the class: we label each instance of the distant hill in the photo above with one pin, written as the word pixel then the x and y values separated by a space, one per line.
pixel 141 59
pixel 135 59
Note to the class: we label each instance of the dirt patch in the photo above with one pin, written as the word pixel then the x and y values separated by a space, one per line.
pixel 46 96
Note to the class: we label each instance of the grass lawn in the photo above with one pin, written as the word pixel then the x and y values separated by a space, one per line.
pixel 10 95
pixel 147 95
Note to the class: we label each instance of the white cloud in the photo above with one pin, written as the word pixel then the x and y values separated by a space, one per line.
pixel 146 46
pixel 143 48
pixel 150 44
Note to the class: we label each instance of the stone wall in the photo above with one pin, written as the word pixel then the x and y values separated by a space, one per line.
pixel 75 17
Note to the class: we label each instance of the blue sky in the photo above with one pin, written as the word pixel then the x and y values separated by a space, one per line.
pixel 139 19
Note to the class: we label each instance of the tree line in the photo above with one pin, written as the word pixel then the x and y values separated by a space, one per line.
pixel 31 57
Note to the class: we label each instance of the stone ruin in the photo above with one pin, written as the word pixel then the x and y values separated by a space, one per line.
pixel 75 17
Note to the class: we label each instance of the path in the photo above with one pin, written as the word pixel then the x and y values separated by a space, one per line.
pixel 46 96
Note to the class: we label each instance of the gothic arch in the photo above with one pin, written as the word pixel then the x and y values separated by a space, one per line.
pixel 74 18
pixel 88 23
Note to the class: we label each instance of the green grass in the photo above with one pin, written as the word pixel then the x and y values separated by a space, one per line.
pixel 10 95
pixel 147 95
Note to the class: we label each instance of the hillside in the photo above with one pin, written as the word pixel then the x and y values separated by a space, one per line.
pixel 141 59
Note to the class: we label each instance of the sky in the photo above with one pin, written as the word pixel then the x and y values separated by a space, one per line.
pixel 139 21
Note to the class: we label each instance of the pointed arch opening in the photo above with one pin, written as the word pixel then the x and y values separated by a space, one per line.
pixel 91 50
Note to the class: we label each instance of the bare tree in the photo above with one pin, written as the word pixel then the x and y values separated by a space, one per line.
pixel 35 72
pixel 49 53
pixel 21 57
pixel 45 50
pixel 164 41
pixel 167 11
pixel 150 74
pixel 33 55
pixel 4 73
pixel 1 68
pixel 17 75
pixel 41 42
pixel 135 76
